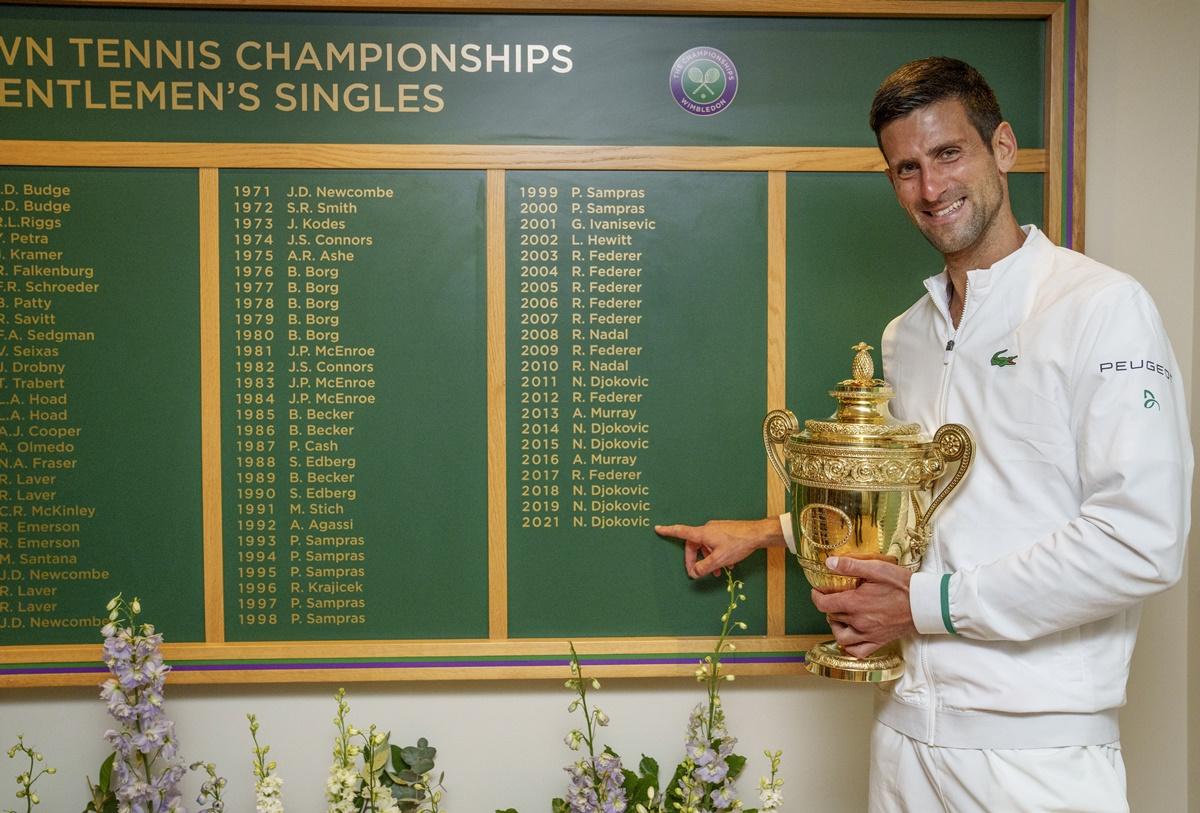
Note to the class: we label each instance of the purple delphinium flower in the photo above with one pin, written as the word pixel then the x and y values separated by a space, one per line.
pixel 146 773
pixel 596 785
pixel 581 795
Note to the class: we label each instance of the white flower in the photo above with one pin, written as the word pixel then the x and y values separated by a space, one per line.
pixel 383 800
pixel 266 795
pixel 771 799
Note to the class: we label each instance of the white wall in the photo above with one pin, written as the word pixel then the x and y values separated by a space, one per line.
pixel 1144 82
pixel 501 743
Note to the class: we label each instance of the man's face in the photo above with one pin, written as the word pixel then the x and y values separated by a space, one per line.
pixel 944 175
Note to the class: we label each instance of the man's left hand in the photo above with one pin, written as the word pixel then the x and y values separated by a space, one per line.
pixel 873 614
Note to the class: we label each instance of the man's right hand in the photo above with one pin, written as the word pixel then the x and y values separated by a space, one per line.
pixel 722 543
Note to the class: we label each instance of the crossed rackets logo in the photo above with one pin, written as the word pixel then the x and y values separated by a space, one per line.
pixel 704 81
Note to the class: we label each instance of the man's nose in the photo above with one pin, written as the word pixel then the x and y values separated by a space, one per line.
pixel 933 183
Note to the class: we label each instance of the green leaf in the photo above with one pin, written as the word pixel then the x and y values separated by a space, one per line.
pixel 507 810
pixel 637 793
pixel 409 798
pixel 680 770
pixel 648 766
pixel 419 758
pixel 560 806
pixel 106 768
pixel 736 763
pixel 379 760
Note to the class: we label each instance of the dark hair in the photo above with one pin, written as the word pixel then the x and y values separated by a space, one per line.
pixel 934 79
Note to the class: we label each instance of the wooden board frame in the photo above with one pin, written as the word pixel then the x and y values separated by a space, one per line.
pixel 1061 162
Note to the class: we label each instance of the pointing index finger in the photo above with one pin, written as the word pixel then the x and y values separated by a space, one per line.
pixel 684 532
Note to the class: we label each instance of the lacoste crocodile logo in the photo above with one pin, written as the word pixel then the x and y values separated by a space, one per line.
pixel 1003 361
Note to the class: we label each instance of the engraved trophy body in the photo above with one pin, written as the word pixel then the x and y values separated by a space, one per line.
pixel 861 485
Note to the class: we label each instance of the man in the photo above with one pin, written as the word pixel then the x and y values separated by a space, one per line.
pixel 1018 630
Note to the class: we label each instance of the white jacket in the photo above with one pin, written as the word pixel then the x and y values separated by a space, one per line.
pixel 1076 507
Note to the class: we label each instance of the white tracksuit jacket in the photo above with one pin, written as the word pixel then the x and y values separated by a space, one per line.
pixel 1076 507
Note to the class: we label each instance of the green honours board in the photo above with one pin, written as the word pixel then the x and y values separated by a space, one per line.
pixel 637 384
pixel 353 404
pixel 374 345
pixel 99 399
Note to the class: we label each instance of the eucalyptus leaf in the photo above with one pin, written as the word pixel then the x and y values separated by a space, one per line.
pixel 420 757
pixel 407 797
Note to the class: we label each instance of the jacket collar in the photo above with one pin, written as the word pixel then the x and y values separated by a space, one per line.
pixel 1007 274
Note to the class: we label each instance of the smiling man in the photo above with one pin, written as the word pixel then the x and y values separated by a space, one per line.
pixel 1018 630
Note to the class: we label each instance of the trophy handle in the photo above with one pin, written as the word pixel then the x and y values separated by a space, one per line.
pixel 778 426
pixel 953 442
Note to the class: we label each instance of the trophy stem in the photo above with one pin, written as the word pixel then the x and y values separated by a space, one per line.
pixel 827 659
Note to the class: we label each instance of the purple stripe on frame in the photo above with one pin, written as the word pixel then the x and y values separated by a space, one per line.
pixel 228 667
pixel 55 670
pixel 1068 196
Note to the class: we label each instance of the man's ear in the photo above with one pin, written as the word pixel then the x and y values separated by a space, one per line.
pixel 1004 146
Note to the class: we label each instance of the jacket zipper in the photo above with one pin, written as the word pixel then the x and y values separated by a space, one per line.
pixel 934 549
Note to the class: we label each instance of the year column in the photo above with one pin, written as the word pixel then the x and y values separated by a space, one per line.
pixel 539 333
pixel 255 397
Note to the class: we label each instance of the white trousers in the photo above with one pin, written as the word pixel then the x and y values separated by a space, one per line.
pixel 910 777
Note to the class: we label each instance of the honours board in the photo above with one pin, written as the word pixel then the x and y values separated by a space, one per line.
pixel 637 375
pixel 353 404
pixel 99 382
pixel 374 345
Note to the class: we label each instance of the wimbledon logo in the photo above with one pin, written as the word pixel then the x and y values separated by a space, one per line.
pixel 704 81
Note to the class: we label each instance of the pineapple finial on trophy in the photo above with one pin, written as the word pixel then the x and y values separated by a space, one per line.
pixel 863 367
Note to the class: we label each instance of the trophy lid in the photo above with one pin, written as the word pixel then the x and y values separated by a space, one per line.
pixel 862 416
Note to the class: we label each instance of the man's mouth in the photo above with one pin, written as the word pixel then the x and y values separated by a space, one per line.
pixel 949 210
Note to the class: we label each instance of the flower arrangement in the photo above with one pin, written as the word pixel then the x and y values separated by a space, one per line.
pixel 391 779
pixel 28 778
pixel 371 775
pixel 702 781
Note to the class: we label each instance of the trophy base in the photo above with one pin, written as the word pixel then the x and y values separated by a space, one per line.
pixel 828 660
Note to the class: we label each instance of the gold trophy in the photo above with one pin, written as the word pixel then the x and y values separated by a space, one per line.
pixel 861 486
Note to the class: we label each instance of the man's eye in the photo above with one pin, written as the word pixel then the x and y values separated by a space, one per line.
pixel 906 170
pixel 950 153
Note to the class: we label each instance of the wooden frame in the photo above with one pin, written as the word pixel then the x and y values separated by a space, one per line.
pixel 1060 161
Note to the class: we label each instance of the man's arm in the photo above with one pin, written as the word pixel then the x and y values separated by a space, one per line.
pixel 722 543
